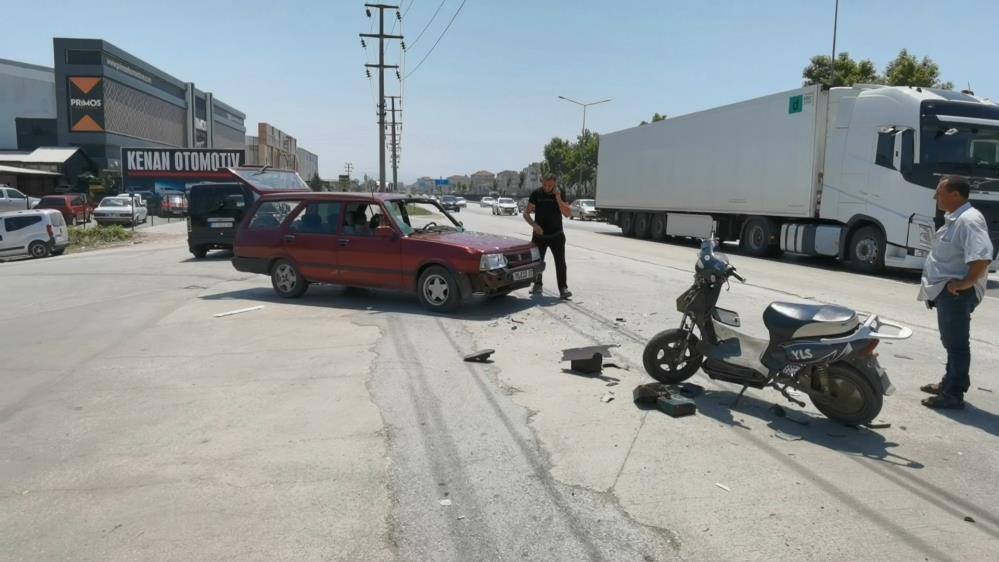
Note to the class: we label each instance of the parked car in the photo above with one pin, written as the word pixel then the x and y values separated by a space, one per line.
pixel 486 202
pixel 462 202
pixel 173 205
pixel 73 207
pixel 377 241
pixel 121 209
pixel 505 206
pixel 583 209
pixel 13 200
pixel 216 209
pixel 450 203
pixel 152 200
pixel 37 233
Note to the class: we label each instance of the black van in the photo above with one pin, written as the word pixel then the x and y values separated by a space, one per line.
pixel 215 209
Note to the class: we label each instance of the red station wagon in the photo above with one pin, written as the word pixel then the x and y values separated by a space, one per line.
pixel 383 241
pixel 73 207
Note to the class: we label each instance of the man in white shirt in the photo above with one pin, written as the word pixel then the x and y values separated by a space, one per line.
pixel 954 281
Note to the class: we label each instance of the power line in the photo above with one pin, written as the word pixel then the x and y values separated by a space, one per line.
pixel 432 18
pixel 456 12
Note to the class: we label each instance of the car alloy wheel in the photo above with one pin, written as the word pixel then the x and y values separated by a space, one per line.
pixel 436 290
pixel 287 281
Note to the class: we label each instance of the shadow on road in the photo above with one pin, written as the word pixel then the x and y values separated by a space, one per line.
pixel 802 426
pixel 380 302
pixel 216 255
pixel 974 417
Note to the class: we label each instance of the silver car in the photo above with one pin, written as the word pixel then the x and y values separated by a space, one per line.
pixel 584 209
pixel 121 210
pixel 13 200
pixel 505 206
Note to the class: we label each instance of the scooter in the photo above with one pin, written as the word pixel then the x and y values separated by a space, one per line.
pixel 824 351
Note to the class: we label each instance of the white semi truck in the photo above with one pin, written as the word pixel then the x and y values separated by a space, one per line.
pixel 845 172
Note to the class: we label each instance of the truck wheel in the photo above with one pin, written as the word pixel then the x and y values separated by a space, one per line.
pixel 756 237
pixel 437 289
pixel 642 225
pixel 657 227
pixel 627 224
pixel 867 250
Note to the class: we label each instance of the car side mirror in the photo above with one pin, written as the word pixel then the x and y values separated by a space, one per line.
pixel 385 232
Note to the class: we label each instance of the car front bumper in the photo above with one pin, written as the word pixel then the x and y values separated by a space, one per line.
pixel 506 279
pixel 506 211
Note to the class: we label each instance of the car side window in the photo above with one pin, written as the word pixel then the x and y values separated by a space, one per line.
pixel 17 223
pixel 271 214
pixel 14 194
pixel 361 219
pixel 317 218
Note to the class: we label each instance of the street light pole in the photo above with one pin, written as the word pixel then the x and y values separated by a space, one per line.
pixel 582 133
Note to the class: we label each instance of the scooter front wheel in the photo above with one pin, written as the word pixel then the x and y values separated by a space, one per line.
pixel 662 358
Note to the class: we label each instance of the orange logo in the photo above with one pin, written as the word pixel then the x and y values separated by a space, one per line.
pixel 85 84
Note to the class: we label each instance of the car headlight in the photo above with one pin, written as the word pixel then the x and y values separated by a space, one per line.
pixel 490 262
pixel 535 253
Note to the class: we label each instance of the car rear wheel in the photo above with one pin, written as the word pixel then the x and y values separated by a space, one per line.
pixel 199 252
pixel 38 249
pixel 287 280
pixel 438 289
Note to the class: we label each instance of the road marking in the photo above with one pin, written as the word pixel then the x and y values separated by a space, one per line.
pixel 240 311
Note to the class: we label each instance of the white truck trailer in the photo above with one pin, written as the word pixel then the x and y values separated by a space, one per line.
pixel 845 172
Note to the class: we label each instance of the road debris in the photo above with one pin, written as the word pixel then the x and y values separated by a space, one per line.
pixel 622 320
pixel 515 321
pixel 588 360
pixel 969 519
pixel 985 389
pixel 878 424
pixel 480 356
pixel 445 502
pixel 460 517
pixel 648 393
pixel 786 436
pixel 676 406
pixel 240 311
pixel 723 487
pixel 607 397
pixel 616 366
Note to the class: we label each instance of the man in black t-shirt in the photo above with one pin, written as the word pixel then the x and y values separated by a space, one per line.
pixel 548 208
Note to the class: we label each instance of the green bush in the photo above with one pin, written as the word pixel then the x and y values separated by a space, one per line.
pixel 99 235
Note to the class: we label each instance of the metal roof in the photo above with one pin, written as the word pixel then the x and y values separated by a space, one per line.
pixel 24 171
pixel 44 155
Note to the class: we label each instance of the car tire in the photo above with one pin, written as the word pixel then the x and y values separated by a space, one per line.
pixel 38 249
pixel 287 280
pixel 867 250
pixel 199 252
pixel 438 290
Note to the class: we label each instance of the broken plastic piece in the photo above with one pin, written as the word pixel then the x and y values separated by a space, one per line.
pixel 879 424
pixel 607 397
pixel 969 519
pixel 587 359
pixel 676 406
pixel 480 356
pixel 445 502
pixel 649 393
pixel 786 436
pixel 723 487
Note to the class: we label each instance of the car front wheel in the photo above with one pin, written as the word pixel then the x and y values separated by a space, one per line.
pixel 287 280
pixel 438 289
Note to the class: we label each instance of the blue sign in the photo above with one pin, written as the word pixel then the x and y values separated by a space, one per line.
pixel 441 182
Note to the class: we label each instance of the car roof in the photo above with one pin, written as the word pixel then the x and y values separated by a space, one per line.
pixel 28 212
pixel 338 196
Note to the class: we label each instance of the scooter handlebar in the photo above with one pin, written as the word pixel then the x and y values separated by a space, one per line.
pixel 732 273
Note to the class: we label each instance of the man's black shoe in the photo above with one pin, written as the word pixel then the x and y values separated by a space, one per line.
pixel 564 293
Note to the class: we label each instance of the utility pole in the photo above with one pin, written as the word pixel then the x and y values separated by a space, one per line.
pixel 395 142
pixel 381 66
pixel 582 134
pixel 832 61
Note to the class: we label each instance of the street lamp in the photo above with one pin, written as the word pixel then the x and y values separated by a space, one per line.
pixel 583 131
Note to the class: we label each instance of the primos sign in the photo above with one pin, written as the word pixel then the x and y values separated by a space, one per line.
pixel 86 104
pixel 175 169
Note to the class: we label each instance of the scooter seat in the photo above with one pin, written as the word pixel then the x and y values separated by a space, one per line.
pixel 787 321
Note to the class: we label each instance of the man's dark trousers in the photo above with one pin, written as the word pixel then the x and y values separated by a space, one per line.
pixel 954 320
pixel 557 245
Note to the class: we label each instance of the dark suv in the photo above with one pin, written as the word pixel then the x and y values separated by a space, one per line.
pixel 450 203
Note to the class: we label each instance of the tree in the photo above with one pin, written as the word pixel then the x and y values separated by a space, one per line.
pixel 848 72
pixel 655 118
pixel 316 184
pixel 906 70
pixel 558 157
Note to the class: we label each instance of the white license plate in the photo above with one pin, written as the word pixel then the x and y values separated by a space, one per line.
pixel 521 275
pixel 220 225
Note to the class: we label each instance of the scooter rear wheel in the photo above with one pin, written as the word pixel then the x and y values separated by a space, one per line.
pixel 662 358
pixel 845 395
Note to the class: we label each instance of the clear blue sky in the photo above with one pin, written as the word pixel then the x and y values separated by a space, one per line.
pixel 486 97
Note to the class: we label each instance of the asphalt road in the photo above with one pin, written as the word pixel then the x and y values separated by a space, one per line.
pixel 345 426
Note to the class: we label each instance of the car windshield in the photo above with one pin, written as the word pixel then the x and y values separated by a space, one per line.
pixel 506 201
pixel 272 180
pixel 420 216
pixel 52 202
pixel 116 202
pixel 587 202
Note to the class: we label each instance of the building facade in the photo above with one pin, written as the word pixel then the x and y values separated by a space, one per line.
pixel 483 182
pixel 107 99
pixel 27 105
pixel 459 183
pixel 308 164
pixel 532 177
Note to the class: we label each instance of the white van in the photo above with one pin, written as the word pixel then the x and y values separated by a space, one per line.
pixel 37 233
